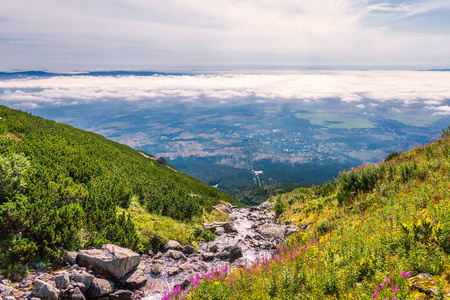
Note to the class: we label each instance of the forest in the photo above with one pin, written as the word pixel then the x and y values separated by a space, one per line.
pixel 61 187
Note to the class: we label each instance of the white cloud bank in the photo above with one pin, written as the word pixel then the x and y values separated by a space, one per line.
pixel 429 89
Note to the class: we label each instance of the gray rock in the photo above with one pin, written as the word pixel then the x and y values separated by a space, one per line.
pixel 219 231
pixel 184 281
pixel 6 290
pixel 424 282
pixel 70 257
pixel 188 250
pixel 172 245
pixel 161 161
pixel 156 269
pixel 225 225
pixel 272 230
pixel 231 252
pixel 112 260
pixel 290 230
pixel 45 290
pixel 77 294
pixel 174 271
pixel 9 298
pixel 100 287
pixel 212 247
pixel 135 279
pixel 62 280
pixel 207 256
pixel 85 278
pixel 158 255
pixel 121 295
pixel 222 208
pixel 5 281
pixel 176 255
pixel 41 267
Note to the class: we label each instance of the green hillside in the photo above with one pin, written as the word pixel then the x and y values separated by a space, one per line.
pixel 370 233
pixel 65 187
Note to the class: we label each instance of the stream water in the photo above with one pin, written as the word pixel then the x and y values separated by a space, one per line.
pixel 246 236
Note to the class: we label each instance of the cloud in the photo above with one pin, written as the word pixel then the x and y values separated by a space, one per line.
pixel 407 88
pixel 443 110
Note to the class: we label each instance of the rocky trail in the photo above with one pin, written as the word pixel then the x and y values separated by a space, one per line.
pixel 118 273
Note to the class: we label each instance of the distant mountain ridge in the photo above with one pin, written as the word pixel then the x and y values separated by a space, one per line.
pixel 32 73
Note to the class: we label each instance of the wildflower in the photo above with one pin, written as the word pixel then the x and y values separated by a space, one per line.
pixel 406 274
pixel 395 289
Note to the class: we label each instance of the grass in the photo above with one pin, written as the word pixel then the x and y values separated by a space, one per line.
pixel 335 121
pixel 369 232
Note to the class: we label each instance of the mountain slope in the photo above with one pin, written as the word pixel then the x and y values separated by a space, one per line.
pixel 65 187
pixel 370 234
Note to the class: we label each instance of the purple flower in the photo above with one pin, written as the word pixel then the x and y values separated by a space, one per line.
pixel 395 289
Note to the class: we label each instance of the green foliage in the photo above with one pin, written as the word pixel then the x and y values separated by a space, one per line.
pixel 64 187
pixel 445 132
pixel 257 195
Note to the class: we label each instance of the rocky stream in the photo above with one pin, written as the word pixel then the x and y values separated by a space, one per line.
pixel 118 273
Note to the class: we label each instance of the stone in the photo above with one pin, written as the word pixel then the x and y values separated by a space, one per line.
pixel 99 288
pixel 77 294
pixel 41 267
pixel 9 298
pixel 156 269
pixel 172 245
pixel 45 290
pixel 185 266
pixel 424 283
pixel 111 260
pixel 188 250
pixel 272 230
pixel 290 230
pixel 176 255
pixel 231 252
pixel 62 280
pixel 85 278
pixel 158 255
pixel 172 271
pixel 183 282
pixel 135 279
pixel 150 253
pixel 70 257
pixel 219 231
pixel 121 295
pixel 6 290
pixel 5 281
pixel 212 247
pixel 222 208
pixel 207 256
pixel 225 225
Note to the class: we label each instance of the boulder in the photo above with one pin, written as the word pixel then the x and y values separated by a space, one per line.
pixel 219 231
pixel 172 271
pixel 424 283
pixel 222 208
pixel 272 230
pixel 234 251
pixel 135 279
pixel 111 260
pixel 172 245
pixel 176 255
pixel 77 294
pixel 212 247
pixel 225 225
pixel 290 230
pixel 121 295
pixel 84 278
pixel 70 257
pixel 156 269
pixel 62 280
pixel 99 288
pixel 45 290
pixel 207 256
pixel 6 290
pixel 188 250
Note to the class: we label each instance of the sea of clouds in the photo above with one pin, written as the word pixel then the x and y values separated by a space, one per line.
pixel 429 89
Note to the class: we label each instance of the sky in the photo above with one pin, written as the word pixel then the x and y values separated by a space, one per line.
pixel 201 34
